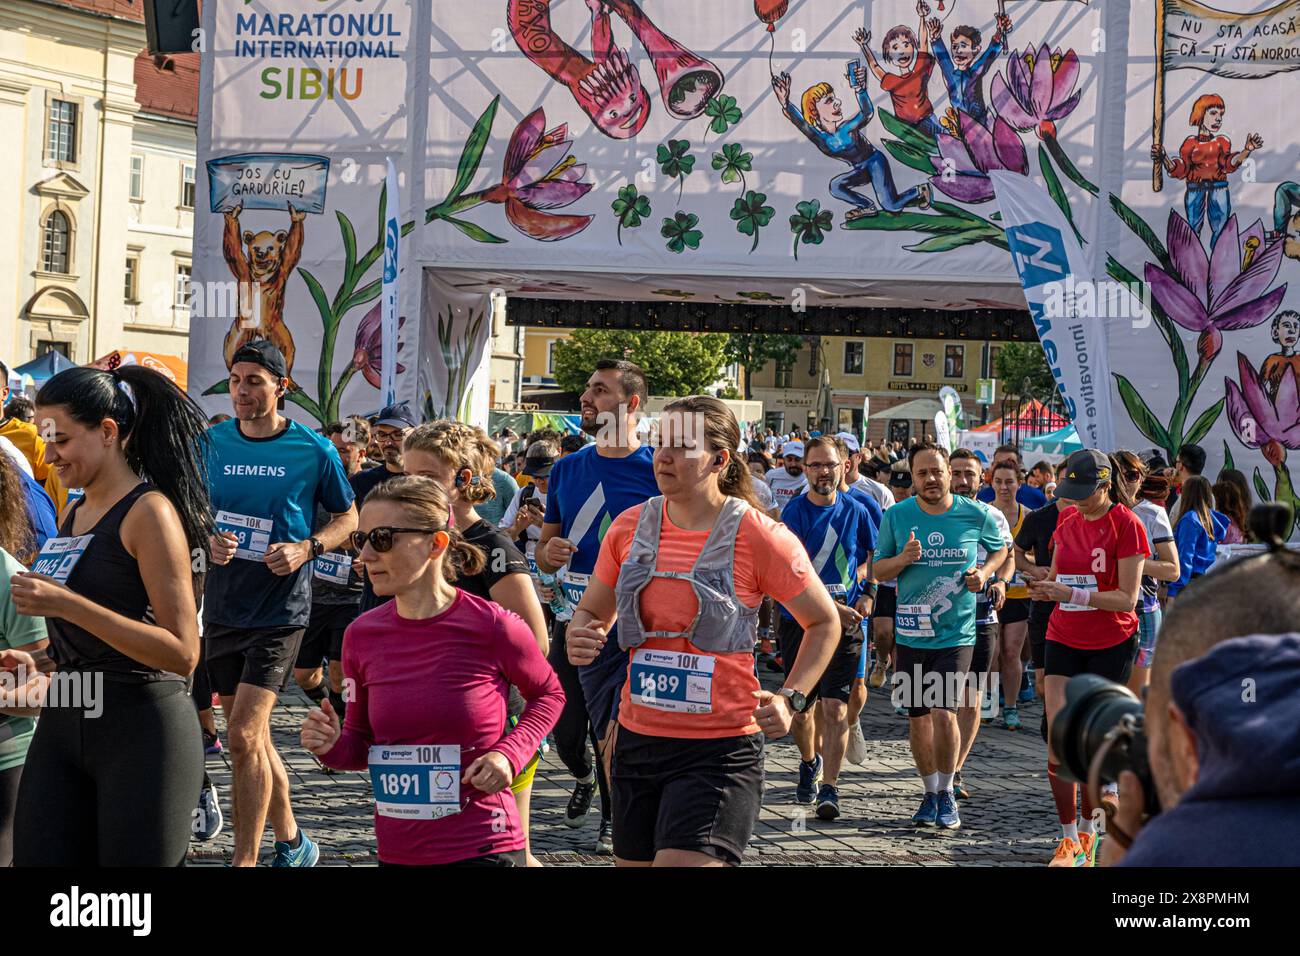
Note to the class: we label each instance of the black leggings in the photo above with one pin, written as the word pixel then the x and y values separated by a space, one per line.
pixel 573 731
pixel 8 800
pixel 200 686
pixel 116 789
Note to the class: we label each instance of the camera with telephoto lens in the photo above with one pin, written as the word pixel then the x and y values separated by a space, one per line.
pixel 1103 723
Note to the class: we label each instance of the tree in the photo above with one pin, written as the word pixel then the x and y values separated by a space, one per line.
pixel 1023 370
pixel 675 363
pixel 753 350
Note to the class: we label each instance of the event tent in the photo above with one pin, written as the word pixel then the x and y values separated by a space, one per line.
pixel 44 367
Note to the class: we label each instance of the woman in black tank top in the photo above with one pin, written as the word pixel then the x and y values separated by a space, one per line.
pixel 115 768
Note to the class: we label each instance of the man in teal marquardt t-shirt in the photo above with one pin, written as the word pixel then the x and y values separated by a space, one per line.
pixel 930 542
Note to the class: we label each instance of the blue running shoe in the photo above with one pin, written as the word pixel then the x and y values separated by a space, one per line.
pixel 948 817
pixel 207 821
pixel 1026 695
pixel 810 776
pixel 929 812
pixel 828 802
pixel 306 853
pixel 1011 717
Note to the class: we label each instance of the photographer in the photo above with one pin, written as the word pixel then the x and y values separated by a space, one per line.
pixel 1221 713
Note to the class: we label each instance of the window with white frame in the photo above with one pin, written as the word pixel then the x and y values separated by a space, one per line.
pixel 61 131
pixel 137 177
pixel 183 271
pixel 187 186
pixel 56 241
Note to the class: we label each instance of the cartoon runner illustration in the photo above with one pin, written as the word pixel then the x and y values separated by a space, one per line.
pixel 964 68
pixel 1205 160
pixel 1286 333
pixel 608 87
pixel 821 119
pixel 909 88
pixel 1286 219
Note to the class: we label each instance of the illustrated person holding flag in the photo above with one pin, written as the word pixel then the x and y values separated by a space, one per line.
pixel 1205 161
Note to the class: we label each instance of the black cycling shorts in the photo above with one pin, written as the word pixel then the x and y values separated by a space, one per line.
pixel 1113 663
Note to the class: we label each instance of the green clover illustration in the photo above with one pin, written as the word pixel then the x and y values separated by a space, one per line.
pixel 630 208
pixel 810 223
pixel 724 111
pixel 751 214
pixel 680 231
pixel 734 163
pixel 676 161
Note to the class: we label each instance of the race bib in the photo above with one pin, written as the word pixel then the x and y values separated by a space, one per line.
pixel 913 620
pixel 60 555
pixel 334 567
pixel 574 585
pixel 253 535
pixel 416 783
pixel 667 680
pixel 838 593
pixel 1087 582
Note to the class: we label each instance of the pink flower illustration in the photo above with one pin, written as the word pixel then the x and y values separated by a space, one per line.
pixel 962 166
pixel 539 174
pixel 367 357
pixel 1037 90
pixel 1261 422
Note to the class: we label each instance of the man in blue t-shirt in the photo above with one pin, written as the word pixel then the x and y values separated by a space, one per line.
pixel 267 475
pixel 587 490
pixel 964 67
pixel 930 542
pixel 839 536
pixel 1029 496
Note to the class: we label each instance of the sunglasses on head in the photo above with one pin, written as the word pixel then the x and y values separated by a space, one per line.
pixel 381 539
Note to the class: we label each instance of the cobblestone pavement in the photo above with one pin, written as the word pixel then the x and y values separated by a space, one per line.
pixel 1008 820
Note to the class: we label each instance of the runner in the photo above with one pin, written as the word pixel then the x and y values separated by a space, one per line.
pixel 1029 496
pixel 1035 536
pixel 1198 528
pixel 938 578
pixel 387 434
pixel 839 535
pixel 268 474
pixel 335 585
pixel 1013 616
pixel 119 604
pixel 787 480
pixel 460 459
pixel 758 469
pixel 1161 563
pixel 25 635
pixel 589 489
pixel 1100 547
pixel 431 668
pixel 965 470
pixel 684 574
pixel 857 473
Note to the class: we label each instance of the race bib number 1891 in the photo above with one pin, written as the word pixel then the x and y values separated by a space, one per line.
pixel 416 783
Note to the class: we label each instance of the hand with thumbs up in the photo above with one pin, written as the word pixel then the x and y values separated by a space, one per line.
pixel 321 730
pixel 912 550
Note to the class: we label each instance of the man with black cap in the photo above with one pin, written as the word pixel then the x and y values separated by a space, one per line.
pixel 267 476
pixel 388 432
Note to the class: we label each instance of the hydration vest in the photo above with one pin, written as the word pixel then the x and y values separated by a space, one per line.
pixel 722 624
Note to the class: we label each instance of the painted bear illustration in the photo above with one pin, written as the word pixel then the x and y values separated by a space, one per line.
pixel 270 258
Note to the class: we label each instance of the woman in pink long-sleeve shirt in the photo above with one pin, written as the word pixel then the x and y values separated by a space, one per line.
pixel 430 672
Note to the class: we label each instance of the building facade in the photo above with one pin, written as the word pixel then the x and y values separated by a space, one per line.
pixel 97 201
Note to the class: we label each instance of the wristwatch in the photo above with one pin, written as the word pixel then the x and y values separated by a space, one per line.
pixel 317 549
pixel 798 702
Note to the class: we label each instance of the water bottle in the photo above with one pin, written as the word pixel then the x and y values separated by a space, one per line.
pixel 559 604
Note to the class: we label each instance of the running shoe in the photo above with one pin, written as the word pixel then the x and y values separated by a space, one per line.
pixel 828 802
pixel 1068 853
pixel 948 818
pixel 1011 718
pixel 1026 695
pixel 959 788
pixel 211 744
pixel 810 776
pixel 306 853
pixel 579 803
pixel 605 841
pixel 208 820
pixel 929 812
pixel 879 674
pixel 1088 842
pixel 857 750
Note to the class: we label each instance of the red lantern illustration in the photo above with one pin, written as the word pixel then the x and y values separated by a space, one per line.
pixel 769 11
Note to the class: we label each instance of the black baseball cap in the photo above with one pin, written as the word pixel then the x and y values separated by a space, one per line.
pixel 538 461
pixel 1085 472
pixel 265 353
pixel 397 416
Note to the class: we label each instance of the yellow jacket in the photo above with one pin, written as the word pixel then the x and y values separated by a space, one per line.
pixel 28 440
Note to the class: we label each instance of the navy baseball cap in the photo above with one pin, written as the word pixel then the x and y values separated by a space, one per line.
pixel 265 353
pixel 1085 472
pixel 397 416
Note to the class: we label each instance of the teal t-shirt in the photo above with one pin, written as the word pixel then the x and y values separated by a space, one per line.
pixel 935 609
pixel 16 630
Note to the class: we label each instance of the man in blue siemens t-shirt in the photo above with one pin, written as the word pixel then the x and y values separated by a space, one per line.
pixel 930 543
pixel 1029 496
pixel 267 475
pixel 839 536
pixel 586 492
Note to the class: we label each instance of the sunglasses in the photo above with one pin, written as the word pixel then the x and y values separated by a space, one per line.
pixel 1132 476
pixel 381 539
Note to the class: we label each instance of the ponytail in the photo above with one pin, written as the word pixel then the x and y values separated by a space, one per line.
pixel 1119 494
pixel 718 431
pixel 162 431
pixel 735 481
pixel 1270 523
pixel 464 560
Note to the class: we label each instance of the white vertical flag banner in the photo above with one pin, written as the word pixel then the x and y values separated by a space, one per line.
pixel 1052 265
pixel 388 328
